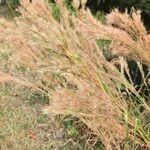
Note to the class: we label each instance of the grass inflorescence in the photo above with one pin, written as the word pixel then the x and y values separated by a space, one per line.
pixel 64 58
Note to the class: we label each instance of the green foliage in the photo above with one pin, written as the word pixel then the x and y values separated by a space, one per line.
pixel 94 5
pixel 103 43
pixel 55 9
pixel 70 6
pixel 100 16
pixel 122 4
pixel 13 2
pixel 99 146
pixel 71 130
pixel 146 5
pixel 38 97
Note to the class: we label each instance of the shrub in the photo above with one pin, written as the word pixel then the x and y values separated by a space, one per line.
pixel 64 61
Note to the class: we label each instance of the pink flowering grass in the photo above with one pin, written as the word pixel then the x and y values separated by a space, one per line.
pixel 63 60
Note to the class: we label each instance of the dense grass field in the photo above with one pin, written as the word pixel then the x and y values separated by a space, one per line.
pixel 66 82
pixel 22 124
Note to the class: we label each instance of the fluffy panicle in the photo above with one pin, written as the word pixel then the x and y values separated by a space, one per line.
pixel 127 32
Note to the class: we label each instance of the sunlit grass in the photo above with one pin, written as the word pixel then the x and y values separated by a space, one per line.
pixel 67 69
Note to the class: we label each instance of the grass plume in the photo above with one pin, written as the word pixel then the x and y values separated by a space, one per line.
pixel 63 60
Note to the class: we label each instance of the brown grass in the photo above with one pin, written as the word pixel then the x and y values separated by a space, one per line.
pixel 63 60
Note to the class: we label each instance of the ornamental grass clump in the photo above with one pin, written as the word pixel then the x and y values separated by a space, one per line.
pixel 63 60
pixel 127 32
